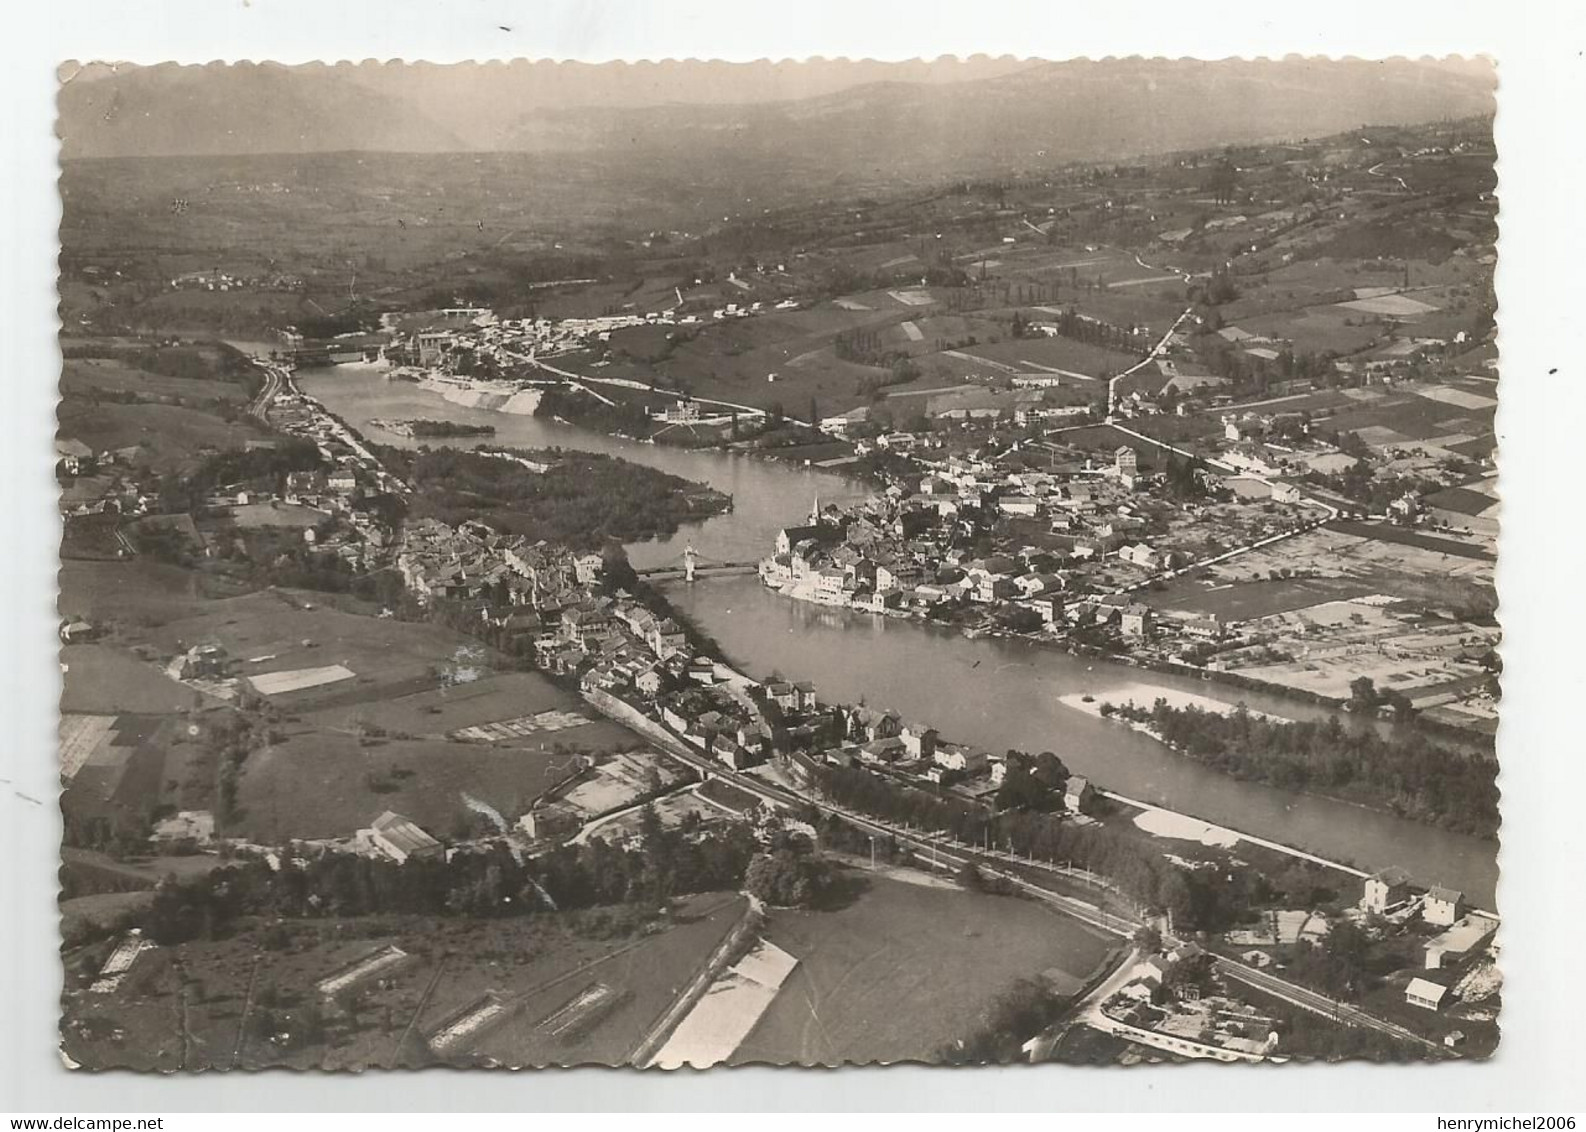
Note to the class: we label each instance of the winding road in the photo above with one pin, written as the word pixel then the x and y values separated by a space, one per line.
pixel 945 852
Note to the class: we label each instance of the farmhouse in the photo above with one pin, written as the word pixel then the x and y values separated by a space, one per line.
pixel 1385 889
pixel 394 836
pixel 1137 621
pixel 920 742
pixel 840 424
pixel 1443 906
pixel 1078 794
pixel 549 821
pixel 186 825
pixel 73 455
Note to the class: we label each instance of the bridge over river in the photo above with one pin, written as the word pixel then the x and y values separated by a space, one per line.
pixel 691 565
pixel 992 692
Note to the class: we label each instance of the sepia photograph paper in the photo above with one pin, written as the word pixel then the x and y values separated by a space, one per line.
pixel 812 563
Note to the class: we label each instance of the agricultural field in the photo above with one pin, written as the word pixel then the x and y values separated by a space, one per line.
pixel 1412 612
pixel 1419 414
pixel 273 513
pixel 100 678
pixel 167 437
pixel 898 942
pixel 321 784
pixel 88 378
pixel 1243 601
pixel 1149 308
pixel 437 713
pixel 1411 573
pixel 1036 353
pixel 277 631
pixel 183 1006
pixel 647 293
pixel 1320 328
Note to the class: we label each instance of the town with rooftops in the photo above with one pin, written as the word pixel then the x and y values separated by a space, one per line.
pixel 1007 600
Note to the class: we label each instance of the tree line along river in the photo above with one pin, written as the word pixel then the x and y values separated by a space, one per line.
pixel 995 693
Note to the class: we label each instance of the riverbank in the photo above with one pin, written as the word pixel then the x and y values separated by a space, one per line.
pixel 495 396
pixel 432 430
pixel 995 691
pixel 1145 695
pixel 1160 822
pixel 1003 692
pixel 1044 640
pixel 1264 747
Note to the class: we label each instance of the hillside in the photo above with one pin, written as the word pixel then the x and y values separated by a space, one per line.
pixel 1040 113
pixel 1078 110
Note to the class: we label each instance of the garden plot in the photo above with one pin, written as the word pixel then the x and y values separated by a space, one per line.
pixel 621 781
pixel 1284 926
pixel 472 1022
pixel 522 727
pixel 378 962
pixel 80 737
pixel 1452 395
pixel 584 1010
pixel 1396 306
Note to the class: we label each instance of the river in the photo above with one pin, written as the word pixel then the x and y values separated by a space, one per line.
pixel 994 693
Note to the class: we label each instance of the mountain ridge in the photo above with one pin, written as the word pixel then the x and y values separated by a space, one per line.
pixel 1044 111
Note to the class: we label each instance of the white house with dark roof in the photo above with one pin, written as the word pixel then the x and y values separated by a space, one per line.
pixel 1443 907
pixel 1385 889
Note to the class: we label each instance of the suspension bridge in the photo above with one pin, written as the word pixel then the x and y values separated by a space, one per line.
pixel 691 565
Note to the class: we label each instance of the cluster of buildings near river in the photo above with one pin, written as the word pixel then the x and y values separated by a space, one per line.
pixel 948 549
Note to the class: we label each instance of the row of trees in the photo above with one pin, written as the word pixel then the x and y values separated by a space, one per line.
pixel 1208 899
pixel 1094 332
pixel 1192 896
pixel 1403 771
pixel 486 883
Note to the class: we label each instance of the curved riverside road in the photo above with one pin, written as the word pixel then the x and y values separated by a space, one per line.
pixel 947 853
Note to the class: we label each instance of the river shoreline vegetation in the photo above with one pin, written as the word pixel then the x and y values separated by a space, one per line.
pixel 581 499
pixel 1403 772
pixel 1199 899
pixel 426 429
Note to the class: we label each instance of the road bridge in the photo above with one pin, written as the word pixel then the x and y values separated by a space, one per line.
pixel 691 564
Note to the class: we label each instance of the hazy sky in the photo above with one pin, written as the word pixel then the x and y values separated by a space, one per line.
pixel 424 107
pixel 477 100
